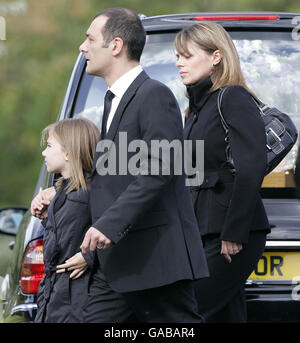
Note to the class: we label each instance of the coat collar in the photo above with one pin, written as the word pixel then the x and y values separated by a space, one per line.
pixel 57 203
pixel 198 94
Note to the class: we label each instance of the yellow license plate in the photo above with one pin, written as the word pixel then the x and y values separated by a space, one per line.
pixel 277 266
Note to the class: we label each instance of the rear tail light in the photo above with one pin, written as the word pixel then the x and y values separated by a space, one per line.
pixel 33 269
pixel 238 17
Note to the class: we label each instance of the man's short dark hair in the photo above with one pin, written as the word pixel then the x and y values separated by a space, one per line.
pixel 126 25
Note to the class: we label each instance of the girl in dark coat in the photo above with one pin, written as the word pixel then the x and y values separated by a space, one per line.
pixel 70 149
pixel 231 216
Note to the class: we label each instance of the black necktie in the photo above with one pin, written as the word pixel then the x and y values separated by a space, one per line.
pixel 107 105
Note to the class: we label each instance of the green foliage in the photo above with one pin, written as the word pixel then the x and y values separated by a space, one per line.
pixel 42 46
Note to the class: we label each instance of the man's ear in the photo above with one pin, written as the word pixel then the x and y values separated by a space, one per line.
pixel 117 46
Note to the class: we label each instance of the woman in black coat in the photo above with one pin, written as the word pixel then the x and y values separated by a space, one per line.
pixel 70 148
pixel 231 216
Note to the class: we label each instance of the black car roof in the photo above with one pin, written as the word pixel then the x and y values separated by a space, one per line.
pixel 173 22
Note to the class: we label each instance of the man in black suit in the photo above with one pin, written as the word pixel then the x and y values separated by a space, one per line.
pixel 149 247
pixel 145 235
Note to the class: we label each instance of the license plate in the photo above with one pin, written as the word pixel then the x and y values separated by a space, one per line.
pixel 277 266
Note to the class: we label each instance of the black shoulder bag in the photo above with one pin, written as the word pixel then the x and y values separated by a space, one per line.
pixel 281 133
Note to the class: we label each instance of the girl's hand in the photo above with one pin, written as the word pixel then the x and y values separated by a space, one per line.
pixel 76 263
pixel 41 201
pixel 230 248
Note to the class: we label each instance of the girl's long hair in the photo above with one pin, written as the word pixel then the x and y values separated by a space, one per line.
pixel 78 137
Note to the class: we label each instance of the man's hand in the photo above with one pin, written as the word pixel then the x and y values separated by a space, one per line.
pixel 41 201
pixel 76 263
pixel 94 239
pixel 230 248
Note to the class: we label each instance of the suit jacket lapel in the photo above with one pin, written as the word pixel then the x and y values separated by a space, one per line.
pixel 126 98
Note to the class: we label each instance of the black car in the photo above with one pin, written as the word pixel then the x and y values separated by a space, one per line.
pixel 269 49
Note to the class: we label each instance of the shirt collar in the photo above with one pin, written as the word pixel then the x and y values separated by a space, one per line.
pixel 120 86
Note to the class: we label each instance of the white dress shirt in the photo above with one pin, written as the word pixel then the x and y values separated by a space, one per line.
pixel 119 87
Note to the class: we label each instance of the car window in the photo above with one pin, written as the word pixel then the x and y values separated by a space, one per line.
pixel 90 99
pixel 270 63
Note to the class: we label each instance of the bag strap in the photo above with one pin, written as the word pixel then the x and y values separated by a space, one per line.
pixel 223 121
pixel 225 127
pixel 260 105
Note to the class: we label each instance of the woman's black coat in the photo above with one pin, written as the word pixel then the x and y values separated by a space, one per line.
pixel 60 299
pixel 227 204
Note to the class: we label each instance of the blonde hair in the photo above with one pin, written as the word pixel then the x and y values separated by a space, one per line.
pixel 78 137
pixel 210 36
